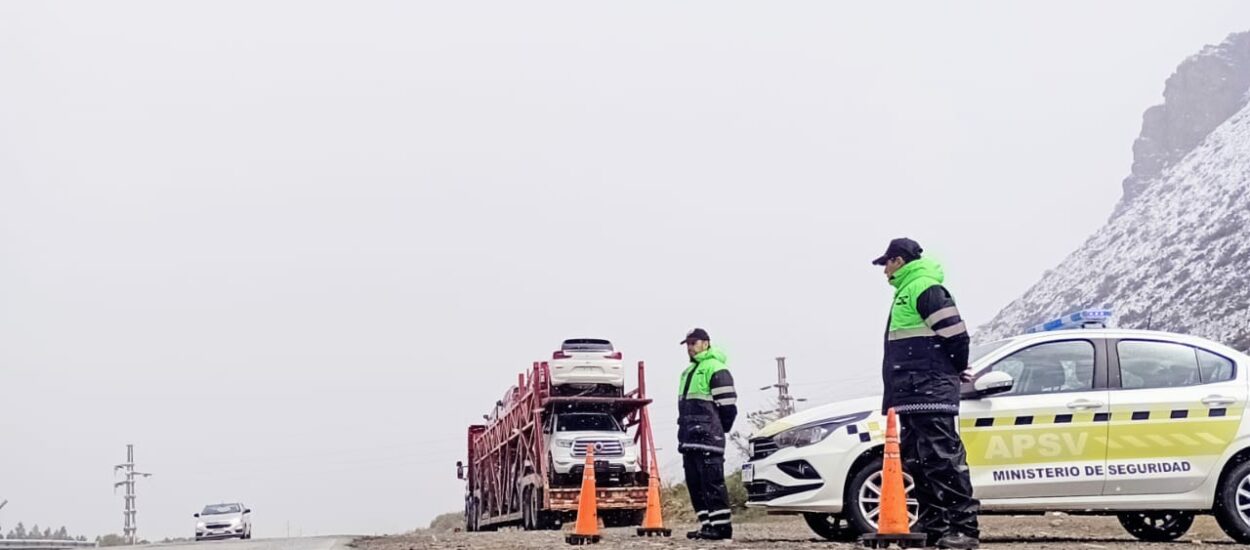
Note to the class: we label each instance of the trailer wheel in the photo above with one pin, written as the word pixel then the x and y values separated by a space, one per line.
pixel 470 516
pixel 525 512
pixel 533 516
pixel 529 510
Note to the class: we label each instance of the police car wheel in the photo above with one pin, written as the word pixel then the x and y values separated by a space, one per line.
pixel 832 527
pixel 1232 503
pixel 1157 525
pixel 863 499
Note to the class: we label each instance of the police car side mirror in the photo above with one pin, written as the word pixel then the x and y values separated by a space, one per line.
pixel 991 383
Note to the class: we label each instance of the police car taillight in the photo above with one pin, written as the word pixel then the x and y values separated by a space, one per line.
pixel 1085 318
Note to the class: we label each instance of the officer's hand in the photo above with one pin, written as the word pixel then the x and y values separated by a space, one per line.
pixel 966 376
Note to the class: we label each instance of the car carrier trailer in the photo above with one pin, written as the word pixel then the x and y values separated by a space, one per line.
pixel 509 474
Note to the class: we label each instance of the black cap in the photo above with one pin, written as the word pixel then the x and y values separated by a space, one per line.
pixel 903 247
pixel 696 335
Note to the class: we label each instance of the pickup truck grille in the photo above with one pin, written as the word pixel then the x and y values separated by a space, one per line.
pixel 605 448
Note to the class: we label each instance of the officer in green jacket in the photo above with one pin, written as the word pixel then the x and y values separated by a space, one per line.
pixel 926 356
pixel 706 409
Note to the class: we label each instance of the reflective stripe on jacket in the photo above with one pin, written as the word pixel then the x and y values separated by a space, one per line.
pixel 926 343
pixel 707 403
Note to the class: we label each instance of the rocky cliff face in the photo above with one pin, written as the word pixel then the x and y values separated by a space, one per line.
pixel 1206 90
pixel 1175 254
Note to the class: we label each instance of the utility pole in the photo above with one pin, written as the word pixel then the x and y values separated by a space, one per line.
pixel 131 527
pixel 785 402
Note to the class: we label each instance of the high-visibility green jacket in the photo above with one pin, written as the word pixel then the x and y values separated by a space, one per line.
pixel 707 403
pixel 926 343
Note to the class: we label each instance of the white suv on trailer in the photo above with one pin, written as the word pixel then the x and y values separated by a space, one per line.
pixel 1147 426
pixel 570 435
pixel 587 366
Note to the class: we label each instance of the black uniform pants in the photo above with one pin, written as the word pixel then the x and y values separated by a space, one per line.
pixel 934 456
pixel 705 478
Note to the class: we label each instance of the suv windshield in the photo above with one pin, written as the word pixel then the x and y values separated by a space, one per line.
pixel 586 344
pixel 587 422
pixel 219 509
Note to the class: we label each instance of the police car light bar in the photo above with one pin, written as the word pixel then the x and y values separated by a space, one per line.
pixel 1086 318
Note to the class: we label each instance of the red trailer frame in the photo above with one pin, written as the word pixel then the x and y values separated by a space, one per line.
pixel 508 482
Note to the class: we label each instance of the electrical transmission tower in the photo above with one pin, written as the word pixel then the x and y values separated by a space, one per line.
pixel 131 527
pixel 785 401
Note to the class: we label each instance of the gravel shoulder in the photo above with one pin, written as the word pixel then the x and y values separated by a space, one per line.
pixel 1022 532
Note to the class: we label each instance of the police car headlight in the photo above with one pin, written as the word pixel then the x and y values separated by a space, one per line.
pixel 811 434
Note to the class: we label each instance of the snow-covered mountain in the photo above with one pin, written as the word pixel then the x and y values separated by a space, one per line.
pixel 1175 254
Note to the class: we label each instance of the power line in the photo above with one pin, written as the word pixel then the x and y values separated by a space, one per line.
pixel 130 527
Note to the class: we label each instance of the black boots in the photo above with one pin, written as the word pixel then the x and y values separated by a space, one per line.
pixel 958 541
pixel 712 532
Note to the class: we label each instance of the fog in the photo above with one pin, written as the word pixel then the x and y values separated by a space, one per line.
pixel 290 250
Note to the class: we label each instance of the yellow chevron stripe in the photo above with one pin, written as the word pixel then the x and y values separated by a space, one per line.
pixel 1160 440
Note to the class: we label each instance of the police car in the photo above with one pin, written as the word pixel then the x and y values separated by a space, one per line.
pixel 1143 425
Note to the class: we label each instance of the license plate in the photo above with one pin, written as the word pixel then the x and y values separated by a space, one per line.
pixel 748 473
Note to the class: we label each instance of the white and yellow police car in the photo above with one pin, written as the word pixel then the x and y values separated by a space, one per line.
pixel 1144 425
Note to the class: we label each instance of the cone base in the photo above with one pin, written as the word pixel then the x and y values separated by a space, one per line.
pixel 903 540
pixel 579 540
pixel 654 532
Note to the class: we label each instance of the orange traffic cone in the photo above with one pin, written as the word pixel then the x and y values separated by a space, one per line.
pixel 653 522
pixel 586 531
pixel 893 524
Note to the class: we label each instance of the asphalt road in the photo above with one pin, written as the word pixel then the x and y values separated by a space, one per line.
pixel 1025 533
pixel 307 543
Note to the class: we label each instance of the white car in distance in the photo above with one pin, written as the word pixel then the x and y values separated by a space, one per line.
pixel 224 521
pixel 587 366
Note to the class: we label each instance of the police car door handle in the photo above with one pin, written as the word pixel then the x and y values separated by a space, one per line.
pixel 1218 400
pixel 1085 404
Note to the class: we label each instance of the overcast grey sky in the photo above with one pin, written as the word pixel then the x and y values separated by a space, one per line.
pixel 291 249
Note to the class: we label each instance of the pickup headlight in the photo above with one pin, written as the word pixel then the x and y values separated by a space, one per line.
pixel 566 443
pixel 811 434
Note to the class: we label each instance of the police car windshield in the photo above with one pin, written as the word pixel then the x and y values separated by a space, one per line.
pixel 977 352
pixel 587 422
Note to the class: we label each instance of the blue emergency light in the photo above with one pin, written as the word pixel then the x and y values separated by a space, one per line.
pixel 1085 318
